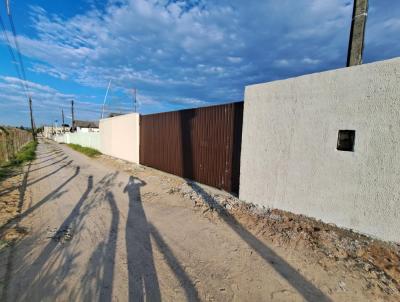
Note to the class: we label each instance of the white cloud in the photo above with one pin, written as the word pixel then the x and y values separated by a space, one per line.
pixel 311 61
pixel 47 101
pixel 199 49
pixel 235 59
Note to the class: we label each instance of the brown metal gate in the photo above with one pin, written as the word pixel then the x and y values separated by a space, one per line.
pixel 201 144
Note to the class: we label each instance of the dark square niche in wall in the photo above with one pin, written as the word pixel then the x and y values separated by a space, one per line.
pixel 346 140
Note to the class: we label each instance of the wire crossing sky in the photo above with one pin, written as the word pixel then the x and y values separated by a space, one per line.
pixel 177 54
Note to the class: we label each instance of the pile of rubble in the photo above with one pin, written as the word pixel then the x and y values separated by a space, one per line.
pixel 378 260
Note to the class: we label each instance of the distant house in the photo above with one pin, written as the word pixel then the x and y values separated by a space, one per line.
pixel 113 114
pixel 85 126
pixel 50 131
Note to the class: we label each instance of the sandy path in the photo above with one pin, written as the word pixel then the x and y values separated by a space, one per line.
pixel 129 239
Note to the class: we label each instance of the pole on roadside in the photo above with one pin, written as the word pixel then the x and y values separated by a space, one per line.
pixel 357 33
pixel 63 122
pixel 134 99
pixel 32 122
pixel 72 116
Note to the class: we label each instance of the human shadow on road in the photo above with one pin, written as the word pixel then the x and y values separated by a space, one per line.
pixel 97 282
pixel 40 262
pixel 179 272
pixel 58 264
pixel 304 287
pixel 109 250
pixel 143 282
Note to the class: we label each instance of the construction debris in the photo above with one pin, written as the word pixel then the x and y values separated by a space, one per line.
pixel 61 235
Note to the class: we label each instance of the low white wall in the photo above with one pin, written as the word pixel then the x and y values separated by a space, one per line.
pixel 289 158
pixel 59 138
pixel 89 139
pixel 119 137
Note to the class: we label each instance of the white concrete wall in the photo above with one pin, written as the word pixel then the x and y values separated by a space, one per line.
pixel 119 137
pixel 289 158
pixel 49 131
pixel 60 138
pixel 89 139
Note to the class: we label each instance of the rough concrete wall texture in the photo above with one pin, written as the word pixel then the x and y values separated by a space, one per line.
pixel 119 137
pixel 289 158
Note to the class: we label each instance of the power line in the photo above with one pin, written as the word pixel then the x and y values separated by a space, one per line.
pixel 11 51
pixel 17 47
pixel 21 64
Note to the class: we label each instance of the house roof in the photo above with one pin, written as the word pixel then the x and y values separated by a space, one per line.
pixel 86 124
pixel 113 114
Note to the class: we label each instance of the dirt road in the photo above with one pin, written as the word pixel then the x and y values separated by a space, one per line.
pixel 97 233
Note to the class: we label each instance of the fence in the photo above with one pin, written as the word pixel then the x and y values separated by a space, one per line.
pixel 11 141
pixel 85 139
pixel 202 144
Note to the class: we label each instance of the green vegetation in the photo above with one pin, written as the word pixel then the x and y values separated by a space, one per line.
pixel 85 150
pixel 27 153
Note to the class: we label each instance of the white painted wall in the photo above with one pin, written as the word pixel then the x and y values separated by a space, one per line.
pixel 289 158
pixel 49 131
pixel 88 139
pixel 119 136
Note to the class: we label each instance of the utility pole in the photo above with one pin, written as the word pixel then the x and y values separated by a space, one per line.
pixel 72 115
pixel 32 122
pixel 134 99
pixel 63 123
pixel 357 33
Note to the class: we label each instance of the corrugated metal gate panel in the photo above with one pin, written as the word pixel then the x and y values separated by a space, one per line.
pixel 202 144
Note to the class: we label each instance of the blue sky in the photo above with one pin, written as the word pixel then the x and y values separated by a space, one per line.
pixel 178 54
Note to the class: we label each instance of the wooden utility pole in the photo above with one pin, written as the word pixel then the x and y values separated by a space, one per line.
pixel 63 123
pixel 32 122
pixel 357 33
pixel 134 98
pixel 72 115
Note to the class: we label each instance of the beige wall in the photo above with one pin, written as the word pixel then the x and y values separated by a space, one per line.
pixel 289 158
pixel 119 137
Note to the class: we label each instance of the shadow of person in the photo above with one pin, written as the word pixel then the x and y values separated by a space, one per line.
pixel 142 276
pixel 304 287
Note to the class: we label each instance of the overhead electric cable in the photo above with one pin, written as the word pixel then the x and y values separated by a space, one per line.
pixel 14 59
pixel 18 48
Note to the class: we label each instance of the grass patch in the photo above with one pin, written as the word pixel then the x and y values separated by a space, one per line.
pixel 85 150
pixel 27 153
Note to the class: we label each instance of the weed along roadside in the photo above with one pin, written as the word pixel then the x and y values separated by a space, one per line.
pixel 13 181
pixel 26 154
pixel 85 150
